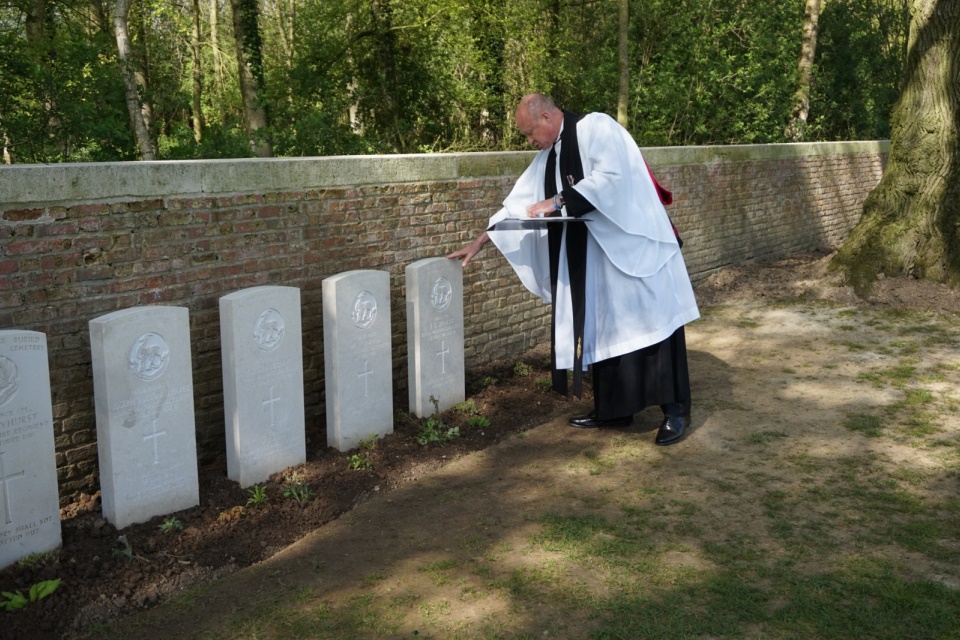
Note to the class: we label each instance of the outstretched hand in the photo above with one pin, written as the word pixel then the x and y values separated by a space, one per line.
pixel 466 254
pixel 541 209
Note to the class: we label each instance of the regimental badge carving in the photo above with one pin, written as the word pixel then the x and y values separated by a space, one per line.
pixel 149 356
pixel 442 294
pixel 268 330
pixel 9 379
pixel 364 310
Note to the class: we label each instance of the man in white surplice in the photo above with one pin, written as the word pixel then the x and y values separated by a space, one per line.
pixel 621 293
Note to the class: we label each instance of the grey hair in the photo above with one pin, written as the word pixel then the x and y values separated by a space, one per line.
pixel 537 103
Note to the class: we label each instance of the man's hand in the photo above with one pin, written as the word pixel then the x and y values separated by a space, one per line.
pixel 471 249
pixel 541 209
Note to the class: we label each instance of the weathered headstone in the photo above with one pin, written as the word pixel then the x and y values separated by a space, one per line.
pixel 358 363
pixel 262 353
pixel 435 335
pixel 143 386
pixel 29 500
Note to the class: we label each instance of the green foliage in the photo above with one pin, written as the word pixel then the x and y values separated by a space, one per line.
pixel 36 560
pixel 478 421
pixel 359 462
pixel 522 369
pixel 171 524
pixel 387 76
pixel 126 553
pixel 300 492
pixel 258 495
pixel 467 407
pixel 12 601
pixel 860 61
pixel 434 430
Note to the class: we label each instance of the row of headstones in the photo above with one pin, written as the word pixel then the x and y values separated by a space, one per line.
pixel 143 391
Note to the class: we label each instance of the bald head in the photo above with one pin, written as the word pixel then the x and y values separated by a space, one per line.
pixel 539 119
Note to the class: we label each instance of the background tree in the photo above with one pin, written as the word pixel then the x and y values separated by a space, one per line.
pixel 911 221
pixel 324 77
pixel 249 47
pixel 121 12
pixel 623 95
pixel 797 124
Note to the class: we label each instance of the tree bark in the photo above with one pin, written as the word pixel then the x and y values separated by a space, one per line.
pixel 215 42
pixel 141 71
pixel 911 220
pixel 197 72
pixel 121 9
pixel 246 31
pixel 36 23
pixel 623 96
pixel 797 124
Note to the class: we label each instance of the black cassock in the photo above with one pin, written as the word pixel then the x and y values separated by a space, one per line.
pixel 626 384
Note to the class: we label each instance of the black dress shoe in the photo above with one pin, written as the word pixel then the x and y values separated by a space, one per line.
pixel 672 429
pixel 590 421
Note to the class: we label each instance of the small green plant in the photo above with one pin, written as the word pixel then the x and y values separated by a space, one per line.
pixel 300 492
pixel 171 524
pixel 13 601
pixel 544 384
pixel 369 443
pixel 258 496
pixel 359 462
pixel 482 383
pixel 127 552
pixel 467 407
pixel 478 421
pixel 522 369
pixel 36 560
pixel 434 429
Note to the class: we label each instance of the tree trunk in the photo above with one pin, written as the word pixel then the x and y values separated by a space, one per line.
pixel 797 125
pixel 215 43
pixel 121 10
pixel 197 72
pixel 246 32
pixel 911 220
pixel 623 95
pixel 141 71
pixel 387 113
pixel 36 23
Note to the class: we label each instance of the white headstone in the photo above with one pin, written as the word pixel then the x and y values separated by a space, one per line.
pixel 435 335
pixel 29 500
pixel 143 386
pixel 358 363
pixel 260 342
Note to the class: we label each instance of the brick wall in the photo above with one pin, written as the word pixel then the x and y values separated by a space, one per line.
pixel 80 241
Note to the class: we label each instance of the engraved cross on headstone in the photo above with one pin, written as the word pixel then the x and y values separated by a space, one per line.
pixel 153 436
pixel 6 491
pixel 443 353
pixel 271 402
pixel 366 373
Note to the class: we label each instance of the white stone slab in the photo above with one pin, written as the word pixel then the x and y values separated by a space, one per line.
pixel 29 500
pixel 435 335
pixel 262 351
pixel 146 439
pixel 358 362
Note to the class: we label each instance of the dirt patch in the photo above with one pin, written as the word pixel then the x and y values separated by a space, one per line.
pixel 104 580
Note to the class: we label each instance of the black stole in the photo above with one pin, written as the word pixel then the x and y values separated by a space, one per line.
pixel 571 172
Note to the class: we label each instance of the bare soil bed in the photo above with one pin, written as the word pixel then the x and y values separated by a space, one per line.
pixel 103 579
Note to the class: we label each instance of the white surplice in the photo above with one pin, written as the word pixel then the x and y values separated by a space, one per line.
pixel 638 291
